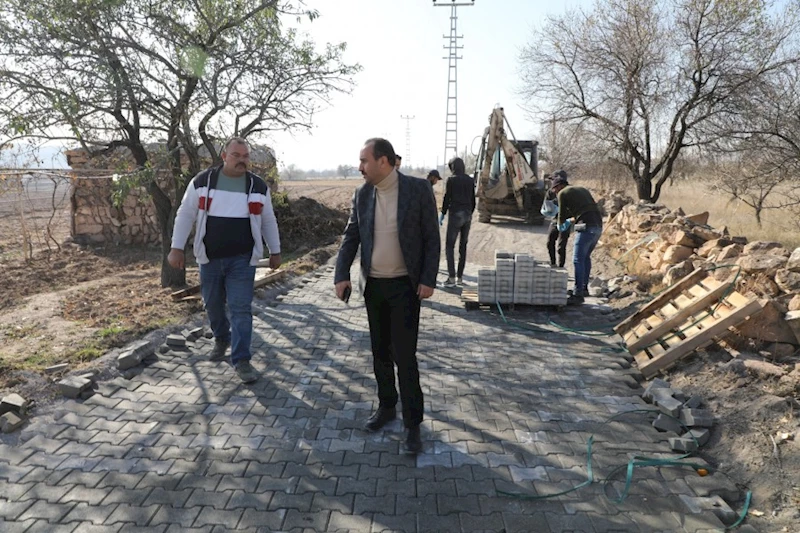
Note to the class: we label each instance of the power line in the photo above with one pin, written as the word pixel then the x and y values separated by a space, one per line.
pixel 452 46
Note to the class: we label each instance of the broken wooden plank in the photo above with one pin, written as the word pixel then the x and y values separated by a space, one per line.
pixel 183 293
pixel 273 276
pixel 660 300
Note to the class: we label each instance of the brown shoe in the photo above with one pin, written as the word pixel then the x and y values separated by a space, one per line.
pixel 380 418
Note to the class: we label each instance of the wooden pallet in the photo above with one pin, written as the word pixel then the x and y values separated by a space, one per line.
pixel 470 298
pixel 688 316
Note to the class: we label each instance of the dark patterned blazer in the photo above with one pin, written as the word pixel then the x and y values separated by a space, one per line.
pixel 418 230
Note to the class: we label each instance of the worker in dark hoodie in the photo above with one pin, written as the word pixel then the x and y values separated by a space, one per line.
pixel 459 200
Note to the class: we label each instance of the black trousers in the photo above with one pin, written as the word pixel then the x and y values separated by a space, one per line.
pixel 458 224
pixel 562 237
pixel 393 313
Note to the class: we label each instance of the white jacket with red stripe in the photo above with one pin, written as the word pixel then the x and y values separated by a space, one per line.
pixel 197 201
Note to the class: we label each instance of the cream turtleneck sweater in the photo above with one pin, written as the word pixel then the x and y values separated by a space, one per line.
pixel 387 258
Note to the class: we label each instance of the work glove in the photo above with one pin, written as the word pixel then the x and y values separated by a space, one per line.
pixel 441 219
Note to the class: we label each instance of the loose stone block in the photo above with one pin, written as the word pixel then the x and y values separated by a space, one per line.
pixel 649 391
pixel 701 435
pixel 13 403
pixel 177 341
pixel 10 422
pixel 693 418
pixel 127 360
pixel 693 403
pixel 72 387
pixel 715 504
pixel 140 348
pixel 669 405
pixel 681 444
pixel 666 423
pixel 195 333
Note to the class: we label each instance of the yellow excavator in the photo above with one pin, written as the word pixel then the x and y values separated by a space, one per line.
pixel 506 172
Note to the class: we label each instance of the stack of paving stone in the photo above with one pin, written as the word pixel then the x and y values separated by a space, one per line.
pixel 549 285
pixel 504 277
pixel 486 284
pixel 520 279
pixel 680 414
pixel 524 267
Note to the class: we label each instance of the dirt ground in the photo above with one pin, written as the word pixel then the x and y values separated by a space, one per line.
pixel 75 305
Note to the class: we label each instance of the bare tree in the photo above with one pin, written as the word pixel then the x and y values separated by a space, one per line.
pixel 180 74
pixel 759 184
pixel 644 75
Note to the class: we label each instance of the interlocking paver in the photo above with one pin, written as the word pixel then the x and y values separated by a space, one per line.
pixel 183 446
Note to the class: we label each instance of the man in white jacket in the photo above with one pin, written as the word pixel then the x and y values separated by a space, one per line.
pixel 231 209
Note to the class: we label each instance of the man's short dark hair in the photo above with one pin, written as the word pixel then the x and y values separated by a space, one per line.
pixel 236 140
pixel 382 147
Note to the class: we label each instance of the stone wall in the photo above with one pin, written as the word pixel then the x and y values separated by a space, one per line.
pixel 95 219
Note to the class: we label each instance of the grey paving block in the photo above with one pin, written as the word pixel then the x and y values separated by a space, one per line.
pixel 715 504
pixel 10 510
pixel 212 516
pixel 137 515
pixel 271 520
pixel 41 509
pixel 14 403
pixel 178 516
pixel 693 418
pixel 700 435
pixel 72 387
pixel 669 405
pixel 668 423
pixel 176 341
pixel 10 422
pixel 96 514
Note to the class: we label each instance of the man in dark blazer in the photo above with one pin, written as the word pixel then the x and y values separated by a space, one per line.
pixel 393 221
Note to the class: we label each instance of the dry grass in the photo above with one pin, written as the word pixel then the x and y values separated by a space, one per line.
pixel 696 197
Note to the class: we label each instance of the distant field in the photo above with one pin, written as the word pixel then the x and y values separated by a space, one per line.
pixel 695 197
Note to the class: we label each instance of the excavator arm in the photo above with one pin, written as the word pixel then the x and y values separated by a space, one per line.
pixel 506 173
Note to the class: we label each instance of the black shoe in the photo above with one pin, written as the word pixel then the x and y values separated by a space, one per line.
pixel 218 353
pixel 380 418
pixel 413 441
pixel 575 299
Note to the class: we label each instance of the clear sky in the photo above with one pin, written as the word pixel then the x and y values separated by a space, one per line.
pixel 399 44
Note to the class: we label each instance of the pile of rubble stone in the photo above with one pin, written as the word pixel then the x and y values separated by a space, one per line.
pixel 656 239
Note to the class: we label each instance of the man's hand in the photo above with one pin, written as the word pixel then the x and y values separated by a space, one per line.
pixel 176 259
pixel 274 261
pixel 340 288
pixel 423 291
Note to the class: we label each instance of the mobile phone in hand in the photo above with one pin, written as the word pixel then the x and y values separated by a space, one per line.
pixel 346 295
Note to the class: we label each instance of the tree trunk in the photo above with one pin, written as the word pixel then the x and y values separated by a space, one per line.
pixel 644 189
pixel 170 277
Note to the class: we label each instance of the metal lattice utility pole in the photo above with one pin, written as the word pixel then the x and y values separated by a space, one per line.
pixel 407 156
pixel 451 119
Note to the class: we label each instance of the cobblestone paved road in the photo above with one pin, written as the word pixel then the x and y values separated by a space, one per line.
pixel 184 446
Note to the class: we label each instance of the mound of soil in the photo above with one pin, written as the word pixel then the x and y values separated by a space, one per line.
pixel 306 224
